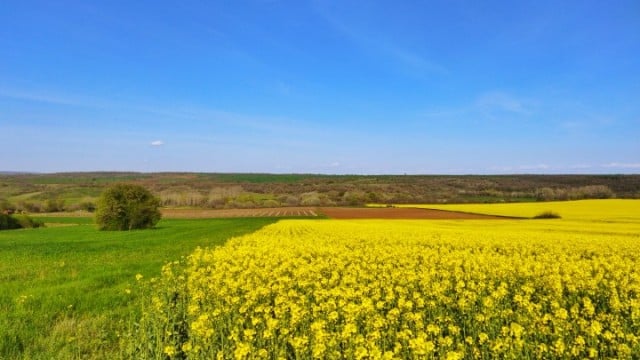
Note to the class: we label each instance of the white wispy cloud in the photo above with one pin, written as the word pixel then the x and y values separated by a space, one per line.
pixel 490 105
pixel 559 169
pixel 580 166
pixel 373 42
pixel 572 125
pixel 175 111
pixel 413 60
pixel 498 101
pixel 534 167
pixel 496 168
pixel 283 88
pixel 157 143
pixel 619 165
pixel 57 98
pixel 521 168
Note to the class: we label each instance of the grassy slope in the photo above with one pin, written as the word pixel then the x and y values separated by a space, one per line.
pixel 63 290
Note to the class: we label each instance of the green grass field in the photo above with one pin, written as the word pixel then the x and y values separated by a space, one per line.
pixel 65 289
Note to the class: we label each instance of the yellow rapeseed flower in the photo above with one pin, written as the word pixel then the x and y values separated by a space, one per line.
pixel 410 289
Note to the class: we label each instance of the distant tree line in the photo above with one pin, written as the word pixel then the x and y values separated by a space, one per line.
pixel 79 191
pixel 239 198
pixel 47 206
pixel 579 193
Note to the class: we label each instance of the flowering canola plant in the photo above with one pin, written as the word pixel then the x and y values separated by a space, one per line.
pixel 617 210
pixel 401 289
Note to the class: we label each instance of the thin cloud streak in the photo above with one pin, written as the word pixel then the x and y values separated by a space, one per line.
pixel 497 101
pixel 534 167
pixel 58 99
pixel 561 169
pixel 618 165
pixel 490 105
pixel 400 55
pixel 204 115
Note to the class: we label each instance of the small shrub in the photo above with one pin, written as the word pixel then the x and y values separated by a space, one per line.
pixel 6 206
pixel 28 222
pixel 54 205
pixel 310 199
pixel 547 215
pixel 270 203
pixel 88 206
pixel 8 222
pixel 31 207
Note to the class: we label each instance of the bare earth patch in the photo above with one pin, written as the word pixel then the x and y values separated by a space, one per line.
pixel 227 213
pixel 400 213
pixel 331 212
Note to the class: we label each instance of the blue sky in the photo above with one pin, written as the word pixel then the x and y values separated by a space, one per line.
pixel 368 87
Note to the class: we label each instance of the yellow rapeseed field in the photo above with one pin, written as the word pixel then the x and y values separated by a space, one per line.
pixel 394 289
pixel 619 210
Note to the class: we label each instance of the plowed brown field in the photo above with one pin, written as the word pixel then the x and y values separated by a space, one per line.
pixel 331 212
pixel 226 213
pixel 399 213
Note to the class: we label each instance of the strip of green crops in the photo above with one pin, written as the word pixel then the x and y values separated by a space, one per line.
pixel 64 289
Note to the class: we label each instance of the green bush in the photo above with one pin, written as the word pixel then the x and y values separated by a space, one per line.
pixel 8 222
pixel 54 205
pixel 30 207
pixel 5 205
pixel 127 207
pixel 28 222
pixel 88 206
pixel 547 215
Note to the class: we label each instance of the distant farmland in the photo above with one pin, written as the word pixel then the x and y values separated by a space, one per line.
pixel 78 191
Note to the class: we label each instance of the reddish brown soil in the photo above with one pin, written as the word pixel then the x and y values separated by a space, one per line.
pixel 331 212
pixel 225 213
pixel 399 213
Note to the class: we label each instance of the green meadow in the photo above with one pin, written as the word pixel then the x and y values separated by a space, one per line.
pixel 67 291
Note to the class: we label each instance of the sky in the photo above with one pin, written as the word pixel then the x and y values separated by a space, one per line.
pixel 336 87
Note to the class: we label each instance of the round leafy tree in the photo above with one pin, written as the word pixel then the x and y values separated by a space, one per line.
pixel 127 207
